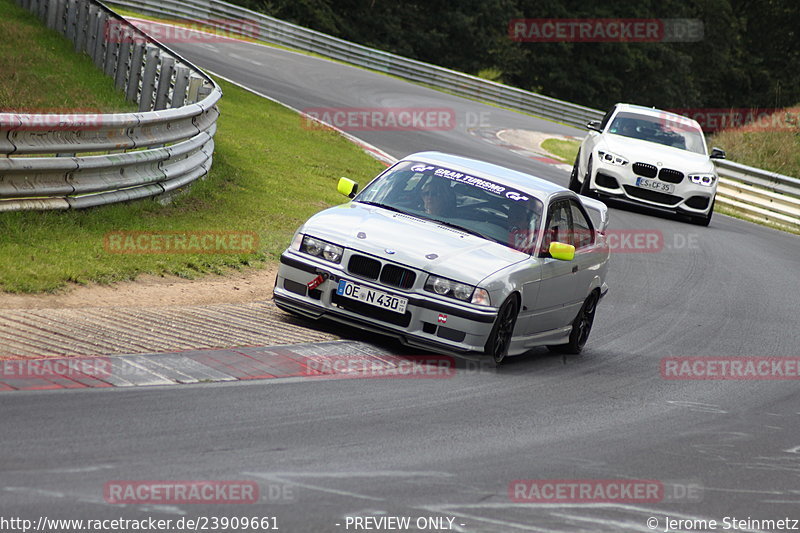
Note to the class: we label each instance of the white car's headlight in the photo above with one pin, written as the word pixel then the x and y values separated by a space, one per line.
pixel 612 159
pixel 323 249
pixel 454 289
pixel 702 179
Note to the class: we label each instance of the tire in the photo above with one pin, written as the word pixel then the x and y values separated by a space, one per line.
pixel 503 329
pixel 574 184
pixel 581 327
pixel 586 179
pixel 704 220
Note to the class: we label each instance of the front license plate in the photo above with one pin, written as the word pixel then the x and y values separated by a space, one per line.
pixel 654 185
pixel 380 299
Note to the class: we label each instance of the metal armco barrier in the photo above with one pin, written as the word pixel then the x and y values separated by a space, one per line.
pixel 166 145
pixel 768 196
pixel 758 194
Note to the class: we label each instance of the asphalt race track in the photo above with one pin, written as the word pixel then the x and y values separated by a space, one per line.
pixel 323 450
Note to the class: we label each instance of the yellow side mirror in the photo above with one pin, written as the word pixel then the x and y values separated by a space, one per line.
pixel 562 251
pixel 347 187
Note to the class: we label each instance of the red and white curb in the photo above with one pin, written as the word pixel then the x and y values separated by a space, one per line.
pixel 336 359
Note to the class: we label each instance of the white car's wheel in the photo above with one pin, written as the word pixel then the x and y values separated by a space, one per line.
pixel 574 184
pixel 584 190
pixel 704 220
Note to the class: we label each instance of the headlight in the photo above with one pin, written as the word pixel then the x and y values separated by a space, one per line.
pixel 457 290
pixel 319 248
pixel 612 159
pixel 702 179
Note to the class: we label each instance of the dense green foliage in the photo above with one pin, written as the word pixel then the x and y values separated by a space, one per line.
pixel 749 57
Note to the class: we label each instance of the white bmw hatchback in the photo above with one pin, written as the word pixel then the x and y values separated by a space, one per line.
pixel 651 157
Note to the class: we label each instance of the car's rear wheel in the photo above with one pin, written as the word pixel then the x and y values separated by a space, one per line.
pixel 704 220
pixel 581 327
pixel 574 184
pixel 584 190
pixel 503 329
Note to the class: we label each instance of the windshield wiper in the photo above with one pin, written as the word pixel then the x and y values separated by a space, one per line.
pixel 384 206
pixel 465 230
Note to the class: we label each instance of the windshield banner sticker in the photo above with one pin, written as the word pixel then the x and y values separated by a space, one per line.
pixel 480 183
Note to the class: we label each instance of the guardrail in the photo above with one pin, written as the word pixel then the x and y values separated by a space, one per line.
pixel 756 193
pixel 50 161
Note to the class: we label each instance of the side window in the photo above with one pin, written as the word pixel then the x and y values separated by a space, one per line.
pixel 607 117
pixel 583 232
pixel 559 225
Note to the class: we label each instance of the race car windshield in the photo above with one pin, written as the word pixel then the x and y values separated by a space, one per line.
pixel 478 206
pixel 668 130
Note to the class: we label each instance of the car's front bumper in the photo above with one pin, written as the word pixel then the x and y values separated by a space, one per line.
pixel 619 182
pixel 429 322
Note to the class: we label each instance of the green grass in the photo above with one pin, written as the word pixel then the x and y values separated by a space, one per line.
pixel 270 173
pixel 566 151
pixel 777 150
pixel 41 73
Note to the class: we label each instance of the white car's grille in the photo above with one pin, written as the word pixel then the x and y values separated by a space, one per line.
pixel 388 274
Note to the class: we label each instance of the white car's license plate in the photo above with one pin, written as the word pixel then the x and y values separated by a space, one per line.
pixel 654 185
pixel 371 296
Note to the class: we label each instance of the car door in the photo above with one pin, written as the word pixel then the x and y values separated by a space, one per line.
pixel 556 290
pixel 584 266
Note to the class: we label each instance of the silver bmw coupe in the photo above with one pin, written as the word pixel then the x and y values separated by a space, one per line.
pixel 451 254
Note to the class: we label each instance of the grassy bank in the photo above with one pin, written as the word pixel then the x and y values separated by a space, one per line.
pixel 777 150
pixel 566 151
pixel 41 73
pixel 269 174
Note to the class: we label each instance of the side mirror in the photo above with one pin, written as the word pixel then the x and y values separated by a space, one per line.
pixel 717 153
pixel 347 187
pixel 594 125
pixel 562 251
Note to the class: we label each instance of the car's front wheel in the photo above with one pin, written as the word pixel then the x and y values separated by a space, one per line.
pixel 704 220
pixel 581 327
pixel 503 329
pixel 584 190
pixel 574 184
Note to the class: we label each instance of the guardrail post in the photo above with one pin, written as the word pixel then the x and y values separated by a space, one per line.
pixel 101 30
pixel 123 60
pixel 80 29
pixel 181 83
pixel 149 79
pixel 135 72
pixel 72 18
pixel 195 82
pixel 91 31
pixel 52 10
pixel 164 82
pixel 59 22
pixel 112 49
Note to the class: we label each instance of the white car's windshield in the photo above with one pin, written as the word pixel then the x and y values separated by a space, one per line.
pixel 474 205
pixel 674 133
